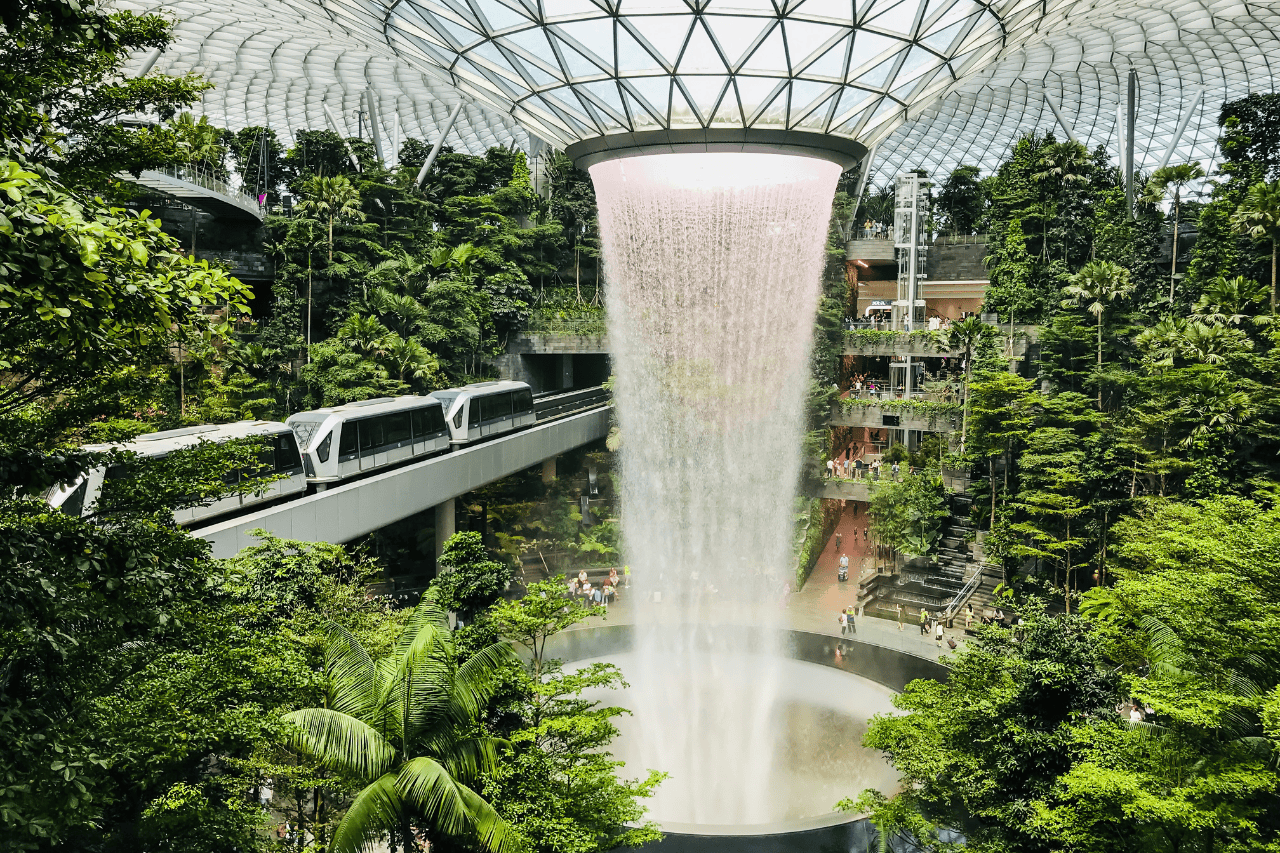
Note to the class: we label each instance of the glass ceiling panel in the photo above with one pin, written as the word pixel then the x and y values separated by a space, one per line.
pixel 279 61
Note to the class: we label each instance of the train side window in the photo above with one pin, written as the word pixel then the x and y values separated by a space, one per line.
pixel 322 451
pixel 372 434
pixel 397 426
pixel 473 418
pixel 435 420
pixel 74 504
pixel 522 401
pixel 348 444
pixel 287 458
pixel 420 421
pixel 503 403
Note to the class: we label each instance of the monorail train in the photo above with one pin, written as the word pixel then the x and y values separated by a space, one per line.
pixel 320 448
pixel 485 409
pixel 280 456
pixel 343 441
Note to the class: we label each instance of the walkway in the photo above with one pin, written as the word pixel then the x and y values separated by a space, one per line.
pixel 199 189
pixel 816 606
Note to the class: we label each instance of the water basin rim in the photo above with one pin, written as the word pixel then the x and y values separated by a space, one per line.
pixel 844 152
pixel 806 646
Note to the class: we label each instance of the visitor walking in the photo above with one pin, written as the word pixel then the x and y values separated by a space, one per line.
pixel 924 622
pixel 838 538
pixel 626 576
pixel 846 467
pixel 830 469
pixel 937 630
pixel 851 613
pixel 894 469
pixel 898 607
pixel 844 623
pixel 844 567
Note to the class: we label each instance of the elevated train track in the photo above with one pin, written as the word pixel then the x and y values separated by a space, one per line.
pixel 340 514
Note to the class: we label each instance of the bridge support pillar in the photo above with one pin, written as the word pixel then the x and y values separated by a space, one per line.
pixel 446 523
pixel 549 470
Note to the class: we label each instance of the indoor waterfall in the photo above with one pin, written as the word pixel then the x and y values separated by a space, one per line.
pixel 714 263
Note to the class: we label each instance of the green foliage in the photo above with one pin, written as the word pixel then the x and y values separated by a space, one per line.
pixel 907 515
pixel 962 201
pixel 468 580
pixel 66 60
pixel 89 293
pixel 819 521
pixel 558 784
pixel 1259 216
pixel 402 724
pixel 985 753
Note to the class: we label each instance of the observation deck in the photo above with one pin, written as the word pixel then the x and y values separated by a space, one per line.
pixel 199 189
pixel 923 415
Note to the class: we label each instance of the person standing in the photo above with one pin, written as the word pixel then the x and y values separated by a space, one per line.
pixel 937 630
pixel 844 623
pixel 968 616
pixel 846 467
pixel 895 469
pixel 830 469
pixel 924 622
pixel 838 538
pixel 898 607
pixel 851 613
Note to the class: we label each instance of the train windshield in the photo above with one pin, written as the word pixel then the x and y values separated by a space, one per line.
pixel 305 429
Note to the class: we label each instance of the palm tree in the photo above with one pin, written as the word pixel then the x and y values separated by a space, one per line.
pixel 1230 300
pixel 1096 285
pixel 202 143
pixel 1162 343
pixel 333 200
pixel 402 725
pixel 1061 164
pixel 1259 217
pixel 1158 188
pixel 964 337
pixel 363 334
pixel 408 360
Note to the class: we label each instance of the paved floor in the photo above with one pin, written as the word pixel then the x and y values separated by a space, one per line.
pixel 816 607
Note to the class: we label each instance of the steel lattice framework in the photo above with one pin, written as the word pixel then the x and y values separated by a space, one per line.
pixel 932 83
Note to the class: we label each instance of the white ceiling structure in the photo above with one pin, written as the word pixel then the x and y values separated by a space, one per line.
pixel 931 83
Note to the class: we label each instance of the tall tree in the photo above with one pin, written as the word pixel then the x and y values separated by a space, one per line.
pixel 402 724
pixel 333 199
pixel 1098 284
pixel 1259 217
pixel 965 337
pixel 962 200
pixel 1157 190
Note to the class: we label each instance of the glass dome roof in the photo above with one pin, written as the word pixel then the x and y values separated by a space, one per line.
pixel 932 82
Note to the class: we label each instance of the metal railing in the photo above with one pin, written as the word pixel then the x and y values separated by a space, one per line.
pixel 208 181
pixel 963 595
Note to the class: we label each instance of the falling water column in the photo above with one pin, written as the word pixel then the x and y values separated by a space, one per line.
pixel 714 264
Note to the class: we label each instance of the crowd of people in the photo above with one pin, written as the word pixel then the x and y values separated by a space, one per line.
pixel 604 593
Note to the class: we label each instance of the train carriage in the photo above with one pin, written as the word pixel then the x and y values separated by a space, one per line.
pixel 485 409
pixel 342 442
pixel 280 456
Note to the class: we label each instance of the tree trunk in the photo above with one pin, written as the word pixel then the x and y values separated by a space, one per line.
pixel 1273 274
pixel 1173 262
pixel 1099 362
pixel 577 277
pixel 964 422
pixel 991 473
